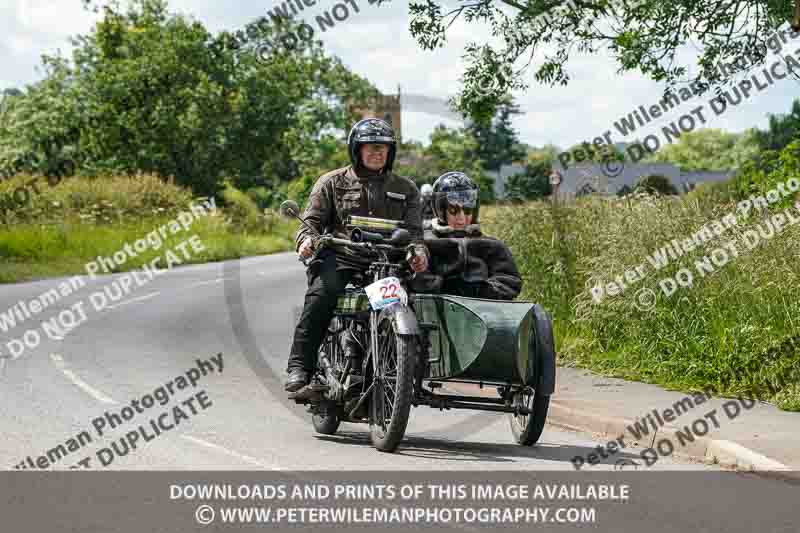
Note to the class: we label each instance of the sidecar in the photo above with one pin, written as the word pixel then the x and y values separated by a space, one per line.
pixel 504 347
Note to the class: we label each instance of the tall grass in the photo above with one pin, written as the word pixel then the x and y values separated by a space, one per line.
pixel 63 227
pixel 735 331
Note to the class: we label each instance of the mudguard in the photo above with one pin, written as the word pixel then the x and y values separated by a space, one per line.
pixel 403 317
pixel 546 350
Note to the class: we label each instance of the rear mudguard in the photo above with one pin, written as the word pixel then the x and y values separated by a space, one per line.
pixel 404 319
pixel 546 371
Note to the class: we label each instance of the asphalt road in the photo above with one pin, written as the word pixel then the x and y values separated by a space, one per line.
pixel 243 309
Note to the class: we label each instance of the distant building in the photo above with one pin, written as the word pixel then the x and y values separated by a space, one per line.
pixel 596 179
pixel 385 106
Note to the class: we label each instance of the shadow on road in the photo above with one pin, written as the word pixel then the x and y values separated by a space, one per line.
pixel 469 451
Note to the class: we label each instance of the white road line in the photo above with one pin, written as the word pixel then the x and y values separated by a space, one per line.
pixel 61 365
pixel 207 282
pixel 226 451
pixel 134 300
pixel 96 394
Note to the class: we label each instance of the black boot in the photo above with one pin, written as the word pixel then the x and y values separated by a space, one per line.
pixel 298 378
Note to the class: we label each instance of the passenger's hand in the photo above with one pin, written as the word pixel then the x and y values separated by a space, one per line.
pixel 307 248
pixel 418 263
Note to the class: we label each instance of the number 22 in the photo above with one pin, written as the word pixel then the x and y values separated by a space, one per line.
pixel 386 293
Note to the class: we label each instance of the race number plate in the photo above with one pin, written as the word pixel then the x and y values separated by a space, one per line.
pixel 385 292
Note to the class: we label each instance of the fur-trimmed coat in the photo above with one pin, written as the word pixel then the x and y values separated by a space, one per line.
pixel 467 263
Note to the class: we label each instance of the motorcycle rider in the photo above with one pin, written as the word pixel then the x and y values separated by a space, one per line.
pixel 464 262
pixel 366 187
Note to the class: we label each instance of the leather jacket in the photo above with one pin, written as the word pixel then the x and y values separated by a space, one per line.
pixel 341 193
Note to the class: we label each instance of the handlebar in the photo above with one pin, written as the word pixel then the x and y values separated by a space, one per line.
pixel 361 239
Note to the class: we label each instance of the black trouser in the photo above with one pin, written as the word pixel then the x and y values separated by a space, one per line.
pixel 325 284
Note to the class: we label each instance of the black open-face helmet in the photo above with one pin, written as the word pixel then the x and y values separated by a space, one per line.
pixel 455 189
pixel 371 130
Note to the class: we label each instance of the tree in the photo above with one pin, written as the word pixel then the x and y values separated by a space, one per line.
pixel 709 149
pixel 547 153
pixel 587 153
pixel 642 35
pixel 497 141
pixel 532 184
pixel 449 149
pixel 656 183
pixel 154 92
pixel 764 173
pixel 782 129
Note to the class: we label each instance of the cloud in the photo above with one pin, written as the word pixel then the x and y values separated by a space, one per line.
pixel 376 43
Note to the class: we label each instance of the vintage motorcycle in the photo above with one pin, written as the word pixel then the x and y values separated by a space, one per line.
pixel 387 349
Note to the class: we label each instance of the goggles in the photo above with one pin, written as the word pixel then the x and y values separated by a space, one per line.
pixel 463 198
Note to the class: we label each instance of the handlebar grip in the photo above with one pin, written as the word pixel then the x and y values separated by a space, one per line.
pixel 359 235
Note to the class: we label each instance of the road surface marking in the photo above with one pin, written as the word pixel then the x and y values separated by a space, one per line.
pixel 217 447
pixel 133 300
pixel 207 282
pixel 61 365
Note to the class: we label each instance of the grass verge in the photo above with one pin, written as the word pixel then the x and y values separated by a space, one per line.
pixel 734 330
pixel 62 228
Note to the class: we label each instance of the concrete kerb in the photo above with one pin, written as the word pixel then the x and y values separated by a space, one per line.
pixel 707 450
pixel 704 449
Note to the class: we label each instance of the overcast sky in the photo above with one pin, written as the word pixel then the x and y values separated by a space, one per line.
pixel 376 43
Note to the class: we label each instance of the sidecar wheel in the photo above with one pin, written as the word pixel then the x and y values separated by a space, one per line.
pixel 528 428
pixel 390 402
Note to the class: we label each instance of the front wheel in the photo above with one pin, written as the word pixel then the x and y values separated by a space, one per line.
pixel 528 428
pixel 393 381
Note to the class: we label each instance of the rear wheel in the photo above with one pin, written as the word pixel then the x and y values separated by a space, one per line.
pixel 528 428
pixel 390 401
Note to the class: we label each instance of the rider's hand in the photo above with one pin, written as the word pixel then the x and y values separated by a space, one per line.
pixel 418 262
pixel 307 248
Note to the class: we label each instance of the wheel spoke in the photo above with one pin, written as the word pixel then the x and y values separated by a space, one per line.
pixel 390 400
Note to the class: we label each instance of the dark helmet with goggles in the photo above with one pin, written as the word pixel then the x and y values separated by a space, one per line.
pixel 371 131
pixel 454 192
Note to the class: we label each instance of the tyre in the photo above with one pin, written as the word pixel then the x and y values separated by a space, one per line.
pixel 528 428
pixel 390 400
